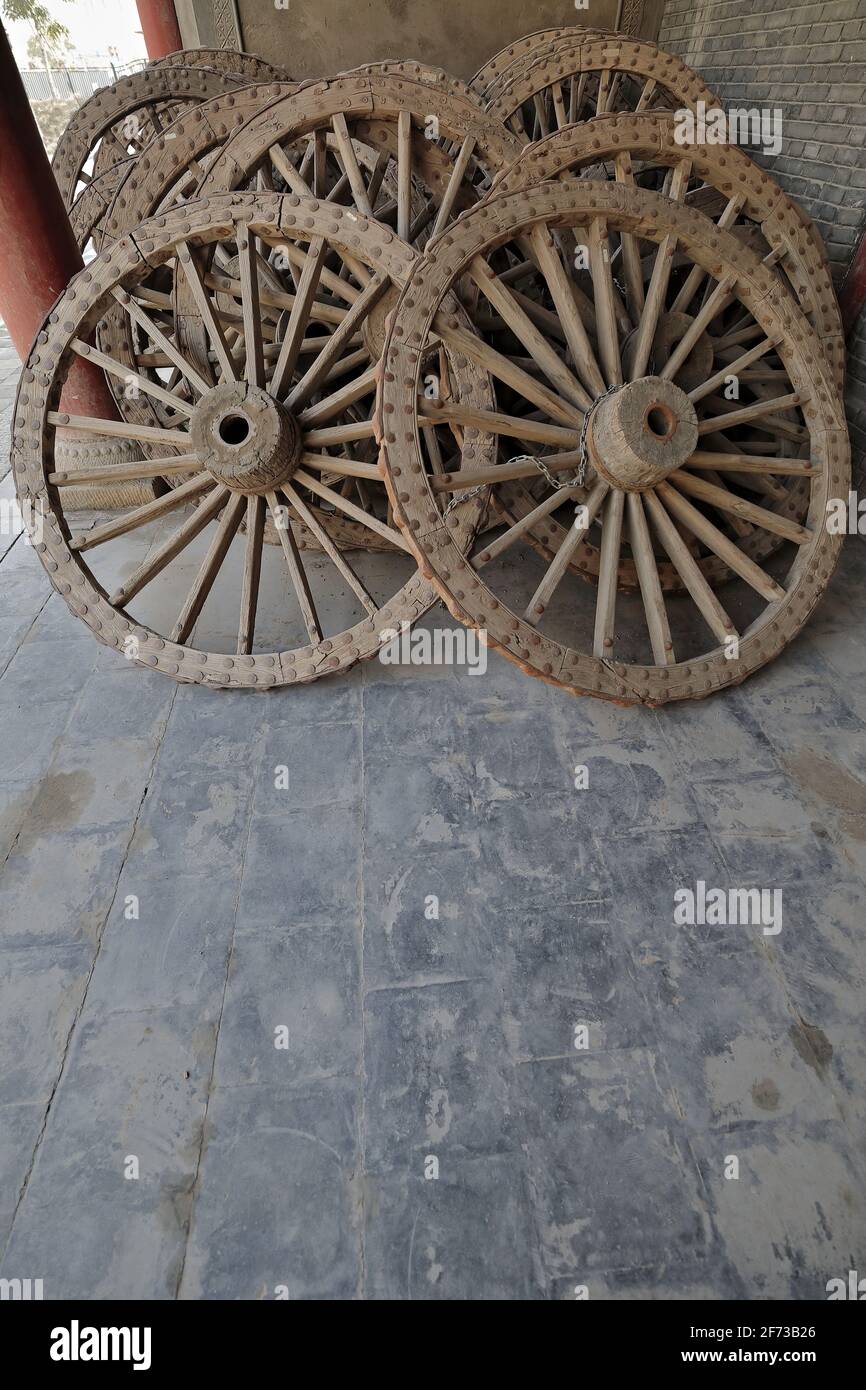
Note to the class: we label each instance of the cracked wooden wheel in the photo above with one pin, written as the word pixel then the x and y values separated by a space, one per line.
pixel 245 65
pixel 567 81
pixel 669 471
pixel 117 122
pixel 184 583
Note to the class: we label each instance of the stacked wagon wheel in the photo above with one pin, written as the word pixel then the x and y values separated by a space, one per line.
pixel 391 336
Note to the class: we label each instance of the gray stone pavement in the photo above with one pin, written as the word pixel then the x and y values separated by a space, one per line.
pixel 169 915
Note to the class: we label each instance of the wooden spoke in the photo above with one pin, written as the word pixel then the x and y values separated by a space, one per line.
pixel 734 368
pixel 718 542
pixel 503 472
pixel 255 368
pixel 316 372
pixel 605 607
pixel 320 163
pixel 631 265
pixel 683 561
pixel 350 164
pixel 560 287
pixel 715 302
pixel 284 166
pixel 748 463
pixel 156 335
pixel 339 561
pixel 297 573
pixel 505 370
pixel 747 413
pixel 647 94
pixel 331 436
pixel 343 504
pixel 252 574
pixel 514 426
pixel 748 511
pixel 696 275
pixel 584 518
pixel 653 306
pixel 129 472
pixel 458 173
pixel 213 327
pixel 605 312
pixel 120 429
pixel 210 567
pixel 650 585
pixel 125 522
pixel 603 90
pixel 341 467
pixel 559 105
pixel 178 541
pixel 337 401
pixel 141 383
pixel 299 317
pixel 404 174
pixel 505 303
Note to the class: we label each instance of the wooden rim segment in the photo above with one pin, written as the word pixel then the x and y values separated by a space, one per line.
pixel 91 134
pixel 512 53
pixel 244 446
pixel 663 652
pixel 246 65
pixel 616 72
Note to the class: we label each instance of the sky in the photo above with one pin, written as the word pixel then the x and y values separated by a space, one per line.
pixel 94 27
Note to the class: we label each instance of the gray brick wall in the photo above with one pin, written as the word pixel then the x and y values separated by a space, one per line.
pixel 810 61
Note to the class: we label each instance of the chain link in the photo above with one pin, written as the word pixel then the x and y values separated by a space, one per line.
pixel 542 467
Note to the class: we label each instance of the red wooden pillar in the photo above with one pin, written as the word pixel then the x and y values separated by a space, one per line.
pixel 159 27
pixel 38 251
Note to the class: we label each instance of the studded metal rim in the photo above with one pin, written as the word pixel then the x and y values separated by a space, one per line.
pixel 416 71
pixel 521 48
pixel 246 65
pixel 797 248
pixel 90 209
pixel 110 105
pixel 649 216
pixel 679 84
pixel 125 263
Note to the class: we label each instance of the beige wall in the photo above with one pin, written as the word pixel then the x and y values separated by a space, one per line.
pixel 314 38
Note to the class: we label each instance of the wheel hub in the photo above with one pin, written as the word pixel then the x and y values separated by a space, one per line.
pixel 246 439
pixel 642 432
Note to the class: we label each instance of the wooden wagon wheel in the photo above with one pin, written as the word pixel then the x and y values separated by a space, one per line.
pixel 493 69
pixel 309 142
pixel 644 447
pixel 642 149
pixel 566 82
pixel 97 137
pixel 167 172
pixel 249 446
pixel 246 65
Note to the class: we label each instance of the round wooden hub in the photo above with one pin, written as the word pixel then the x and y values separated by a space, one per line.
pixel 246 439
pixel 641 433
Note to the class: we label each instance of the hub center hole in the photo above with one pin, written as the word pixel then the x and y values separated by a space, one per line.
pixel 234 429
pixel 661 421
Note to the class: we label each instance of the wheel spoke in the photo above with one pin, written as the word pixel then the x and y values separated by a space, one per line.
pixel 212 325
pixel 576 535
pixel 150 511
pixel 721 295
pixel 734 368
pixel 687 567
pixel 252 574
pixel 516 427
pixel 343 504
pixel 650 584
pixel 255 369
pixel 719 543
pixel 299 317
pixel 337 402
pixel 605 312
pixel 608 572
pixel 333 346
pixel 746 413
pixel 461 164
pixel 653 306
pixel 120 429
pixel 176 542
pixel 404 173
pixel 350 164
pixel 725 501
pixel 297 573
pixel 560 288
pixel 210 567
pixel 345 569
pixel 459 340
pixel 156 335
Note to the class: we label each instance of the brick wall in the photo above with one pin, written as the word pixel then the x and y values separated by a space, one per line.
pixel 810 61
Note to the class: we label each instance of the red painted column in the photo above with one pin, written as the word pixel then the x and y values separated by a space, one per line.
pixel 159 27
pixel 38 251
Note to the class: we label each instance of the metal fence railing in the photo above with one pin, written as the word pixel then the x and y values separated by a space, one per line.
pixel 69 84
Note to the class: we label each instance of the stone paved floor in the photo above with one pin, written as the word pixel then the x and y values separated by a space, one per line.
pixel 148 1041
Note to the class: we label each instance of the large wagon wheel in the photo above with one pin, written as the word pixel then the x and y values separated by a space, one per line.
pixel 566 82
pixel 246 65
pixel 641 150
pixel 310 143
pixel 117 122
pixel 642 446
pixel 250 446
pixel 522 48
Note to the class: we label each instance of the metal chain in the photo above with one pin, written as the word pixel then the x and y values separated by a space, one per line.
pixel 542 467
